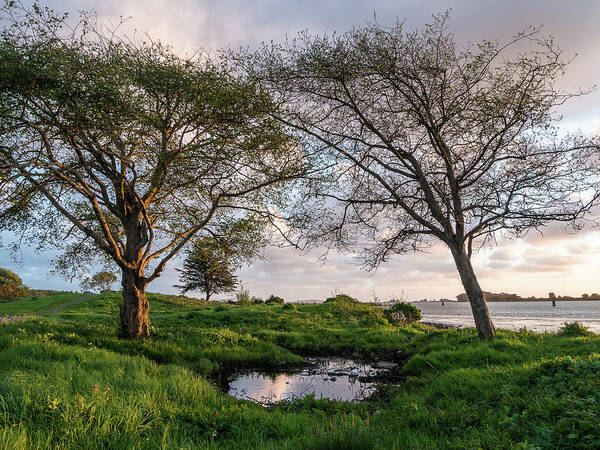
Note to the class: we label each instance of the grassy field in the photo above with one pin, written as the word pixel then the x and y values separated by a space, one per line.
pixel 66 381
pixel 35 305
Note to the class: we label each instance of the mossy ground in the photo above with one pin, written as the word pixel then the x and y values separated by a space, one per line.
pixel 67 381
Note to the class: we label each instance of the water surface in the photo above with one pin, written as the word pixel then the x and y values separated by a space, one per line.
pixel 332 378
pixel 535 316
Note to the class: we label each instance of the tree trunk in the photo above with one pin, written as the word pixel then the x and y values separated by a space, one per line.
pixel 481 314
pixel 135 322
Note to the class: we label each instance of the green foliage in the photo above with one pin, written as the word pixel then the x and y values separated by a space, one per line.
pixel 275 300
pixel 11 285
pixel 402 313
pixel 196 143
pixel 257 301
pixel 290 307
pixel 243 297
pixel 340 298
pixel 44 292
pixel 209 267
pixel 225 336
pixel 575 329
pixel 99 282
pixel 352 311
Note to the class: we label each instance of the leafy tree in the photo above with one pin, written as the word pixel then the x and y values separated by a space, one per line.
pixel 210 265
pixel 101 281
pixel 275 300
pixel 420 141
pixel 11 285
pixel 207 268
pixel 114 147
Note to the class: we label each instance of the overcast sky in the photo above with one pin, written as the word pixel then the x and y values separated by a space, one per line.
pixel 557 261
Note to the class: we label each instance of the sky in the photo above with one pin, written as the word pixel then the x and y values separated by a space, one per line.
pixel 554 260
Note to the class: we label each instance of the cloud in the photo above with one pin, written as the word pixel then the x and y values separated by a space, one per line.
pixel 547 261
pixel 534 265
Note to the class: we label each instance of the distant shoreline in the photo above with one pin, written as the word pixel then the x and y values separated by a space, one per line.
pixel 524 300
pixel 532 300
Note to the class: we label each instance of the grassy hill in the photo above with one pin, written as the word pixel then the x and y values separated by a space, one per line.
pixel 35 305
pixel 67 381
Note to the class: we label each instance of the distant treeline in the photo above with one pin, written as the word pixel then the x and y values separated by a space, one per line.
pixel 504 297
pixel 44 292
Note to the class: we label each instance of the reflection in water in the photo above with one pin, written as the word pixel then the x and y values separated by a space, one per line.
pixel 332 378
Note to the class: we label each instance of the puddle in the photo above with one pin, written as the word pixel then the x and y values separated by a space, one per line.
pixel 332 378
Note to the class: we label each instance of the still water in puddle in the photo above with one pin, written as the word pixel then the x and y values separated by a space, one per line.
pixel 332 378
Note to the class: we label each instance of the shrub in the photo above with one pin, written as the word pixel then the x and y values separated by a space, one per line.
pixel 290 307
pixel 11 285
pixel 402 313
pixel 44 292
pixel 575 329
pixel 275 300
pixel 257 301
pixel 225 336
pixel 341 298
pixel 243 297
pixel 348 308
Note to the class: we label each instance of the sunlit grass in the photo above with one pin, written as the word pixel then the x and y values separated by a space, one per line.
pixel 518 390
pixel 36 305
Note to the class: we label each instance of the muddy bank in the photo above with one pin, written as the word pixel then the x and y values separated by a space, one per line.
pixel 441 326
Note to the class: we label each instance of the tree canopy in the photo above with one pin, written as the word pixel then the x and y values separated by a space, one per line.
pixel 208 268
pixel 11 285
pixel 101 281
pixel 210 265
pixel 119 147
pixel 420 141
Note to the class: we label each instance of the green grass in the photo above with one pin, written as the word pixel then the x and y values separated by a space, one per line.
pixel 35 305
pixel 518 390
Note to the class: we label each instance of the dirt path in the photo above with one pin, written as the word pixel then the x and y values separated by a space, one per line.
pixel 4 318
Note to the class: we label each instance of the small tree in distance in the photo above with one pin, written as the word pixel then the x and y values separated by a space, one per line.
pixel 422 142
pixel 208 268
pixel 101 281
pixel 210 264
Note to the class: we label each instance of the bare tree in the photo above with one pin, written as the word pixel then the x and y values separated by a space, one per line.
pixel 420 141
pixel 118 147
